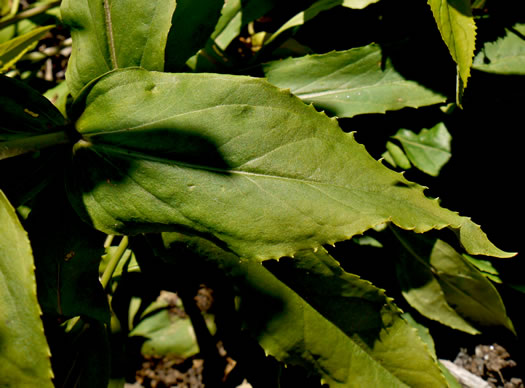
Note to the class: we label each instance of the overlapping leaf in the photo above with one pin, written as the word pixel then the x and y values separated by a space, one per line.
pixel 67 258
pixel 316 8
pixel 444 286
pixel 504 56
pixel 25 112
pixel 235 15
pixel 12 50
pixel 114 34
pixel 428 150
pixel 364 340
pixel 348 83
pixel 24 354
pixel 237 159
pixel 193 22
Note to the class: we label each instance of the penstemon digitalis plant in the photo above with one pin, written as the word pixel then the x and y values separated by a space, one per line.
pixel 244 176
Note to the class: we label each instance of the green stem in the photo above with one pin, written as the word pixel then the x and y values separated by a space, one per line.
pixel 109 240
pixel 16 147
pixel 113 261
pixel 29 13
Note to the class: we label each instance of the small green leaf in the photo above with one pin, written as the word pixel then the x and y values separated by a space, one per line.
pixel 239 160
pixel 429 150
pixel 192 24
pixel 442 285
pixel 168 333
pixel 24 354
pixel 504 56
pixel 114 34
pixel 398 157
pixel 12 50
pixel 235 15
pixel 365 342
pixel 458 30
pixel 348 83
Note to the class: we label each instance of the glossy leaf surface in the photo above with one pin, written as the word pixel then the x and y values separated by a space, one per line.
pixel 348 83
pixel 504 56
pixel 238 160
pixel 365 342
pixel 111 34
pixel 24 354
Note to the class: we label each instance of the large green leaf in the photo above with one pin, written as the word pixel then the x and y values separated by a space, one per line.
pixel 504 56
pixel 428 150
pixel 364 341
pixel 193 22
pixel 29 123
pixel 458 30
pixel 12 50
pixel 363 312
pixel 239 160
pixel 24 354
pixel 67 257
pixel 25 112
pixel 444 286
pixel 348 83
pixel 115 34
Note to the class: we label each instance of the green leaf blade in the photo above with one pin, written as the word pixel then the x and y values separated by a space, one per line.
pixel 365 342
pixel 193 23
pixel 348 83
pixel 444 286
pixel 67 259
pixel 429 150
pixel 12 50
pixel 108 35
pixel 24 351
pixel 458 30
pixel 506 55
pixel 247 163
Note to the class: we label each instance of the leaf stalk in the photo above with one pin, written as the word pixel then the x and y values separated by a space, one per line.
pixel 29 13
pixel 113 261
pixel 11 148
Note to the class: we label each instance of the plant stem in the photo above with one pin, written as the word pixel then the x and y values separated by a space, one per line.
pixel 109 240
pixel 29 13
pixel 11 148
pixel 113 261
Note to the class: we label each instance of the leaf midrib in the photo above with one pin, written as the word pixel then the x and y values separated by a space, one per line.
pixel 109 34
